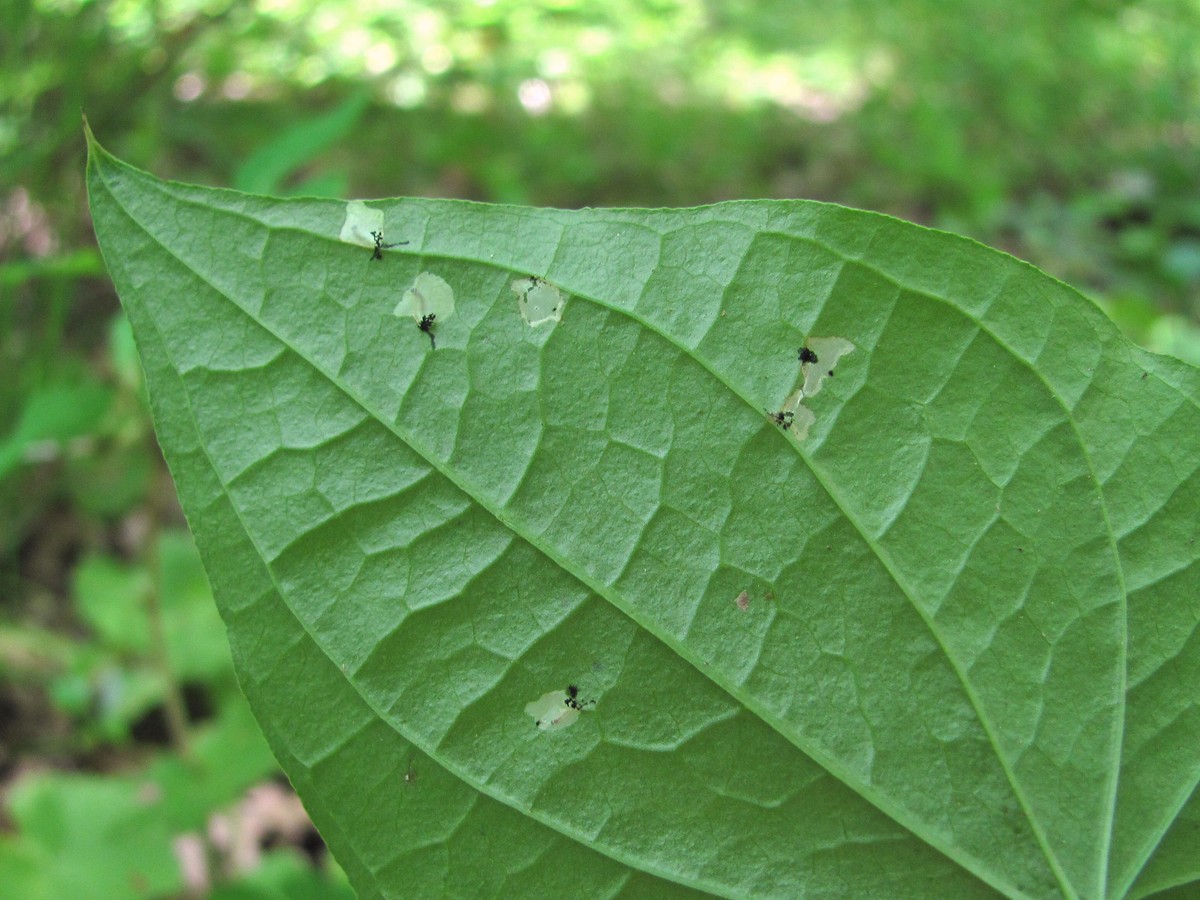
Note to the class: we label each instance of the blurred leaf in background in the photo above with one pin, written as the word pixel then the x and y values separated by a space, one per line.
pixel 267 168
pixel 52 416
pixel 115 835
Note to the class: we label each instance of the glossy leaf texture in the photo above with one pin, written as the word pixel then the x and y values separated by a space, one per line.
pixel 944 643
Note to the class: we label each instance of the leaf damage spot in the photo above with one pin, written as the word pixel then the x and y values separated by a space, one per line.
pixel 380 246
pixel 825 353
pixel 429 300
pixel 783 418
pixel 364 228
pixel 538 300
pixel 361 221
pixel 743 601
pixel 818 358
pixel 800 417
pixel 557 709
pixel 362 225
pixel 426 325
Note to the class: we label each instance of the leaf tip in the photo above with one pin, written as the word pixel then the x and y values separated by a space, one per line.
pixel 89 137
pixel 95 151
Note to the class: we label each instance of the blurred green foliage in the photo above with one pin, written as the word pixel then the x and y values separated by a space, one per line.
pixel 1065 131
pixel 112 836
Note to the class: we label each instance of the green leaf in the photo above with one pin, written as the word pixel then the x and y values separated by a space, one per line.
pixel 934 635
pixel 110 597
pixel 268 168
pixel 54 414
pixel 112 835
pixel 94 837
pixel 121 681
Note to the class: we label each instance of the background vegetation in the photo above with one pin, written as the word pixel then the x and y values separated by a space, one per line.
pixel 1064 131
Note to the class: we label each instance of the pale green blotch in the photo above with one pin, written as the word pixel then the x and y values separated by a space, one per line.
pixel 361 221
pixel 829 350
pixel 428 295
pixel 550 712
pixel 538 300
pixel 812 375
pixel 802 416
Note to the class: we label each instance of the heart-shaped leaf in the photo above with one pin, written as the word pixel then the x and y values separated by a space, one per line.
pixel 763 549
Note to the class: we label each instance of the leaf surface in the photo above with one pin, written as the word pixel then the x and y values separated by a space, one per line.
pixel 942 643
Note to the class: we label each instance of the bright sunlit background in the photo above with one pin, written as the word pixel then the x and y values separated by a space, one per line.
pixel 1064 131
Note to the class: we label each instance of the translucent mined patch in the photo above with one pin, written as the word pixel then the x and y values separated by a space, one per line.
pixel 813 372
pixel 828 350
pixel 550 712
pixel 802 416
pixel 539 301
pixel 361 220
pixel 428 295
pixel 803 421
